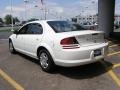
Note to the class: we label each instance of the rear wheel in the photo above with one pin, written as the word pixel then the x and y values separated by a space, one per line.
pixel 11 47
pixel 46 61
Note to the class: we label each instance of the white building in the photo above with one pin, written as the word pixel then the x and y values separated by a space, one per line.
pixel 89 19
pixel 117 19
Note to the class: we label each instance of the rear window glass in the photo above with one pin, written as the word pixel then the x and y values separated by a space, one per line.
pixel 64 26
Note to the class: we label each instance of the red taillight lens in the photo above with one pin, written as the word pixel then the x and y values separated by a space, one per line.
pixel 69 43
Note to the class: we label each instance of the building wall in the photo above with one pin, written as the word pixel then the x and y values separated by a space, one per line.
pixel 87 19
pixel 117 20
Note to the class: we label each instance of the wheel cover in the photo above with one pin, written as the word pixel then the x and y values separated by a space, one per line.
pixel 44 60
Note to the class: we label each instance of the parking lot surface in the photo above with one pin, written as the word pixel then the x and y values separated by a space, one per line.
pixel 24 73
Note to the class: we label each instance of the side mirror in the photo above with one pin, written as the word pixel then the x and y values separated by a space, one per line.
pixel 15 31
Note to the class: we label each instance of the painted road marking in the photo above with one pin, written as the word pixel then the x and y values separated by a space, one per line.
pixel 113 40
pixel 113 53
pixel 114 77
pixel 116 65
pixel 113 45
pixel 111 73
pixel 11 81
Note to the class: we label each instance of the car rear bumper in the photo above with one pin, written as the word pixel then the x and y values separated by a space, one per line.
pixel 69 63
pixel 81 56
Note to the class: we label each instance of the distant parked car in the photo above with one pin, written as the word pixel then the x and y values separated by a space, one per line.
pixel 1 25
pixel 60 43
pixel 116 26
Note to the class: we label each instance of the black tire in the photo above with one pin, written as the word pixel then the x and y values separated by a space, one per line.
pixel 11 47
pixel 51 66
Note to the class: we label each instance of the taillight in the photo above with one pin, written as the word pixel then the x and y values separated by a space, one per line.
pixel 69 43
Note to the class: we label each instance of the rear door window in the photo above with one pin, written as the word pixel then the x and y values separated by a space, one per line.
pixel 34 28
pixel 23 30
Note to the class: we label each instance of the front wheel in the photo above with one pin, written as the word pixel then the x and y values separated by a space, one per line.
pixel 11 47
pixel 46 61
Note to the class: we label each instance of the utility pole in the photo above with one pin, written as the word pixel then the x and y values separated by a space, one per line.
pixel 118 17
pixel 93 2
pixel 44 9
pixel 45 12
pixel 11 14
pixel 42 16
pixel 36 6
pixel 26 1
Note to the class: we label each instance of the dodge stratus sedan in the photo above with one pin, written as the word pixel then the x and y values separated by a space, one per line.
pixel 62 43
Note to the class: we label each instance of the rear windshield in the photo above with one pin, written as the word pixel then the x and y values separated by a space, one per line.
pixel 64 26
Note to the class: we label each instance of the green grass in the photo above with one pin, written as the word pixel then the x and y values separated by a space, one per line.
pixel 7 30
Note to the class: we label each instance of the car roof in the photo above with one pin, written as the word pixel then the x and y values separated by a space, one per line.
pixel 38 21
pixel 41 21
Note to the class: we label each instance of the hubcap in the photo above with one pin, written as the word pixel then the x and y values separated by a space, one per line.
pixel 11 47
pixel 44 60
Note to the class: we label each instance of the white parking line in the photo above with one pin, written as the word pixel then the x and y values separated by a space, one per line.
pixel 114 45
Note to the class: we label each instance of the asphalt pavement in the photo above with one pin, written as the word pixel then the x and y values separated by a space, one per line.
pixel 5 35
pixel 21 72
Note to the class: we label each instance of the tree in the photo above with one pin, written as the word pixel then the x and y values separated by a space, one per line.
pixel 32 19
pixel 1 20
pixel 8 19
pixel 16 19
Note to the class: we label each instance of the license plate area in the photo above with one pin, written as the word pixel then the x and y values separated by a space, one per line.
pixel 97 52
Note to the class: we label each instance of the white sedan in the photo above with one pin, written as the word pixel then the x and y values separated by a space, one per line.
pixel 60 43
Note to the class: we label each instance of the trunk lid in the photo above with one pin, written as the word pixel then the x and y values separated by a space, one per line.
pixel 85 38
pixel 90 39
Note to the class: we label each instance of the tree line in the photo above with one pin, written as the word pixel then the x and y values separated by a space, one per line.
pixel 8 19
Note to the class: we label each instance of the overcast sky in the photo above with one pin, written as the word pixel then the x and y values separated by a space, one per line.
pixel 55 8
